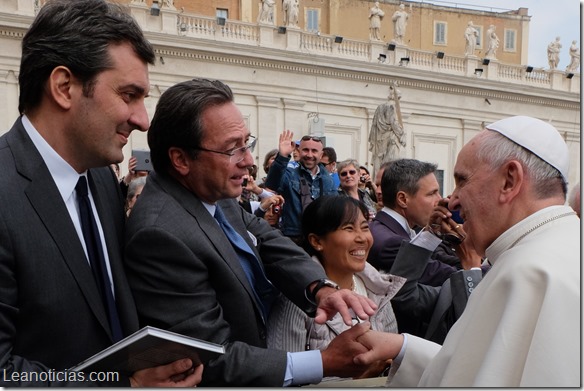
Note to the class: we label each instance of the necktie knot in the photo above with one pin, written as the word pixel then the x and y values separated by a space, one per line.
pixel 81 187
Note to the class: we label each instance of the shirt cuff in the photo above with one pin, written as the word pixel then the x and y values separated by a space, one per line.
pixel 303 368
pixel 399 358
pixel 426 240
pixel 265 194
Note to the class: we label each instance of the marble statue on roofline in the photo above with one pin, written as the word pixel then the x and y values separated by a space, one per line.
pixel 574 58
pixel 553 53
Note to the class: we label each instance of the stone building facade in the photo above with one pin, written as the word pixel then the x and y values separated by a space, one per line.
pixel 306 82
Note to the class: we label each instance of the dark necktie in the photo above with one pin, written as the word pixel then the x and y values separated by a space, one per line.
pixel 262 287
pixel 96 257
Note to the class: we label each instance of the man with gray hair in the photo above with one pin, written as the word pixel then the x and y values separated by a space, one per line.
pixel 521 327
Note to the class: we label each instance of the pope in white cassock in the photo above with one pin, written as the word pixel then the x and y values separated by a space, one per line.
pixel 521 326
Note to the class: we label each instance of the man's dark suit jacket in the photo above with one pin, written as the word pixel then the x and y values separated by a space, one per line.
pixel 427 311
pixel 187 278
pixel 51 314
pixel 388 235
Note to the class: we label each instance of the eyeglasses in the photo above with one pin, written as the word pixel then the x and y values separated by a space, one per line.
pixel 345 173
pixel 328 164
pixel 236 154
pixel 313 138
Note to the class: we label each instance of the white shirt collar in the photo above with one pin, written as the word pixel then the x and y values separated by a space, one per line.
pixel 63 174
pixel 400 219
pixel 210 208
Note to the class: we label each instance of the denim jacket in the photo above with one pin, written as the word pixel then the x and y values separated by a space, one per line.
pixel 286 181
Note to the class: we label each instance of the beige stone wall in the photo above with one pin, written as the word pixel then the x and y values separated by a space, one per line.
pixel 280 81
pixel 349 18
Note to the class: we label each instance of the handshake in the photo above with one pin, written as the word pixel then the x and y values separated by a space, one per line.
pixel 360 352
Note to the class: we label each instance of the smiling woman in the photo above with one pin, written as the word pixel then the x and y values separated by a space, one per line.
pixel 336 234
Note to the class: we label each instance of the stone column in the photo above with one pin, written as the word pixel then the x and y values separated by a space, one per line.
pixel 8 99
pixel 25 7
pixel 377 48
pixel 295 117
pixel 293 38
pixel 268 134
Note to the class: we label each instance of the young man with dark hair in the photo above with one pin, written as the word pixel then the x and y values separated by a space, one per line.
pixel 63 290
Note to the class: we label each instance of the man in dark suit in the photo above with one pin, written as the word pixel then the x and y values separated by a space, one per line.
pixel 74 119
pixel 190 273
pixel 410 192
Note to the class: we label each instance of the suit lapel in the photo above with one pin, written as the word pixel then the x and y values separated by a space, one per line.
pixel 392 224
pixel 209 227
pixel 46 200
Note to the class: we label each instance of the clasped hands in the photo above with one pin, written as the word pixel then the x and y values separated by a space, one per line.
pixel 358 352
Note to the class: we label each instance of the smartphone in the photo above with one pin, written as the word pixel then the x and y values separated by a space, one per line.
pixel 143 159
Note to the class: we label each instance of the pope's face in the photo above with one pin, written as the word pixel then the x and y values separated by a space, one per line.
pixel 475 196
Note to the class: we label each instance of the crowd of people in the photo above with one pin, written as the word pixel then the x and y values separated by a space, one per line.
pixel 313 273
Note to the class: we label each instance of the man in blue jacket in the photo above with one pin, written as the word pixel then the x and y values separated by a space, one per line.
pixel 301 185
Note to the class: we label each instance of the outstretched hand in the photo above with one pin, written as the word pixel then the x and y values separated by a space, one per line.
pixel 287 144
pixel 331 301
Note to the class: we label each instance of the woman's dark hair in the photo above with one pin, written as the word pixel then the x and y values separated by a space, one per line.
pixel 178 121
pixel 267 158
pixel 364 168
pixel 327 214
pixel 75 34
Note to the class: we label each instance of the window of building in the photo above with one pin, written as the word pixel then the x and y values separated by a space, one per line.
pixel 312 19
pixel 440 33
pixel 479 36
pixel 222 13
pixel 510 40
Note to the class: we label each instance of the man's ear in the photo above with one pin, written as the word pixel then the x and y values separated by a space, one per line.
pixel 179 160
pixel 513 180
pixel 61 85
pixel 402 199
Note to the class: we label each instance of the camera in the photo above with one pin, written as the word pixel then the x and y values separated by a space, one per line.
pixel 276 209
pixel 362 179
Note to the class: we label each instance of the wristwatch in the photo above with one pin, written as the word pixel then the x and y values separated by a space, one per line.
pixel 311 295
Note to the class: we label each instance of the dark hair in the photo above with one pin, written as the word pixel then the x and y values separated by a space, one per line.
pixel 403 175
pixel 253 171
pixel 364 168
pixel 177 121
pixel 327 213
pixel 77 35
pixel 330 152
pixel 269 155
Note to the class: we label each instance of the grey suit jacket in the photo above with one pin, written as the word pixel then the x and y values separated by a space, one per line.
pixel 186 277
pixel 51 315
pixel 428 311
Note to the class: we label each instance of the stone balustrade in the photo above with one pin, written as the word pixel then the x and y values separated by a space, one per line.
pixel 171 21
